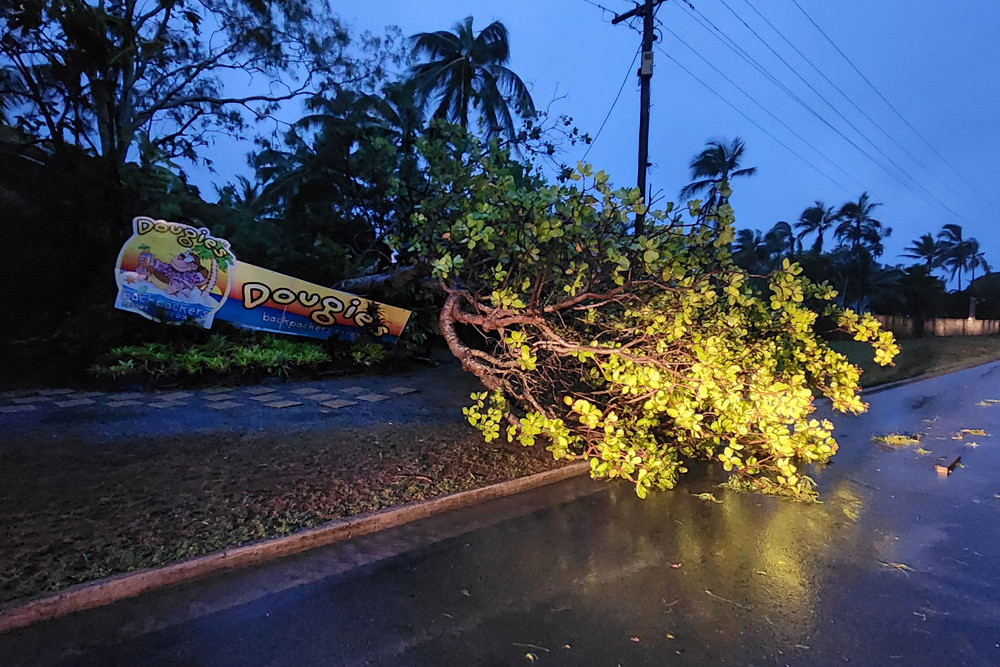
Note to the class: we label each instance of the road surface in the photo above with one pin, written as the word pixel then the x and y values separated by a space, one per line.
pixel 897 566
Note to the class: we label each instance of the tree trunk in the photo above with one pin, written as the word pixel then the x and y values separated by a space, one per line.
pixel 381 281
pixel 447 320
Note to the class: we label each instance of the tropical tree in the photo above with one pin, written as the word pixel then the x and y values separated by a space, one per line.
pixel 105 76
pixel 336 185
pixel 927 250
pixel 955 250
pixel 467 71
pixel 751 251
pixel 860 236
pixel 781 240
pixel 858 228
pixel 634 354
pixel 719 161
pixel 817 219
pixel 977 259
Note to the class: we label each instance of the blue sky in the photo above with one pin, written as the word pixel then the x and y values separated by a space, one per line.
pixel 935 62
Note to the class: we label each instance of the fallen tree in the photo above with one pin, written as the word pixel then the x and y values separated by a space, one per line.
pixel 634 353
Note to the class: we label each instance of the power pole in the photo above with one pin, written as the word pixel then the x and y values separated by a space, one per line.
pixel 645 76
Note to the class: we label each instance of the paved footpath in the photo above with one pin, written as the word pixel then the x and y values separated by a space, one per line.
pixel 420 394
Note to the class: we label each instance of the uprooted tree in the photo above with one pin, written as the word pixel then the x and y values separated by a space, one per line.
pixel 633 353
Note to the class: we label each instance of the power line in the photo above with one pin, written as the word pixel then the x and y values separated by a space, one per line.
pixel 884 99
pixel 850 124
pixel 628 73
pixel 755 101
pixel 604 9
pixel 728 41
pixel 851 100
pixel 751 120
pixel 599 6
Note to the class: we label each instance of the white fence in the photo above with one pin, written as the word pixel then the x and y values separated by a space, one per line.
pixel 903 326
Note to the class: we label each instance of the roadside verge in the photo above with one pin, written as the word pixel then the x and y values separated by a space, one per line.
pixel 119 587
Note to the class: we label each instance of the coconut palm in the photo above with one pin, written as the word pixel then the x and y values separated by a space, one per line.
pixel 927 250
pixel 466 72
pixel 858 228
pixel 781 240
pixel 977 259
pixel 955 250
pixel 719 161
pixel 751 251
pixel 816 219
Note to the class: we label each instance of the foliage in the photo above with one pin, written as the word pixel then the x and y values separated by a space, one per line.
pixel 367 354
pixel 147 77
pixel 859 228
pixel 272 355
pixel 719 161
pixel 468 71
pixel 633 353
pixel 987 290
pixel 897 439
pixel 816 219
pixel 927 250
pixel 958 253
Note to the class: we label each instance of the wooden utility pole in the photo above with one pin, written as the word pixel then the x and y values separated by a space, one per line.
pixel 644 10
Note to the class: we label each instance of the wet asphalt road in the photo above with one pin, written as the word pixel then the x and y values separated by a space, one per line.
pixel 897 566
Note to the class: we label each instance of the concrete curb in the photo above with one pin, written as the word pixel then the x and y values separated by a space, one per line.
pixel 105 591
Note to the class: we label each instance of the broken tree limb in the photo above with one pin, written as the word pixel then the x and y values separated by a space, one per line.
pixel 381 281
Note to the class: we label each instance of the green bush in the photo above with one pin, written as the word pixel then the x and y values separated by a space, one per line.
pixel 219 354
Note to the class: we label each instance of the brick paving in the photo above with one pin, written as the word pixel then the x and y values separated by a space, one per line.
pixel 321 398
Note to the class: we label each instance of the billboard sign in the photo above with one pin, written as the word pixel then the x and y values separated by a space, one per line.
pixel 174 273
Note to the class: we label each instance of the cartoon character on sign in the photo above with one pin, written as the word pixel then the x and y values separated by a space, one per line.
pixel 181 274
pixel 173 273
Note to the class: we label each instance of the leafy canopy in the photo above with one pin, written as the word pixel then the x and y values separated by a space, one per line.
pixel 633 353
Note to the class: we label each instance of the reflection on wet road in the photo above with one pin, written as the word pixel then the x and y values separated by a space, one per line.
pixel 896 566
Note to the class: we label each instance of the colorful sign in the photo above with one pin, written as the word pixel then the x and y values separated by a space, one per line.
pixel 270 301
pixel 175 273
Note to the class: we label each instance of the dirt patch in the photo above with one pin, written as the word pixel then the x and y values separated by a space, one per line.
pixel 77 511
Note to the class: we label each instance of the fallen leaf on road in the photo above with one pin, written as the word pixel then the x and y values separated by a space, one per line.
pixel 899 567
pixel 707 496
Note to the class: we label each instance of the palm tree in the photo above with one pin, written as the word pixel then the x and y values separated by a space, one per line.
pixel 466 71
pixel 927 250
pixel 977 259
pixel 719 161
pixel 816 219
pixel 858 228
pixel 955 250
pixel 751 251
pixel 781 240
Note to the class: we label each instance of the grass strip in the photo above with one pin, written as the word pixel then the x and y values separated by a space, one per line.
pixel 921 355
pixel 77 512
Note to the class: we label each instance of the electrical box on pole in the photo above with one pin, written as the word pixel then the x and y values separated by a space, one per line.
pixel 646 68
pixel 644 10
